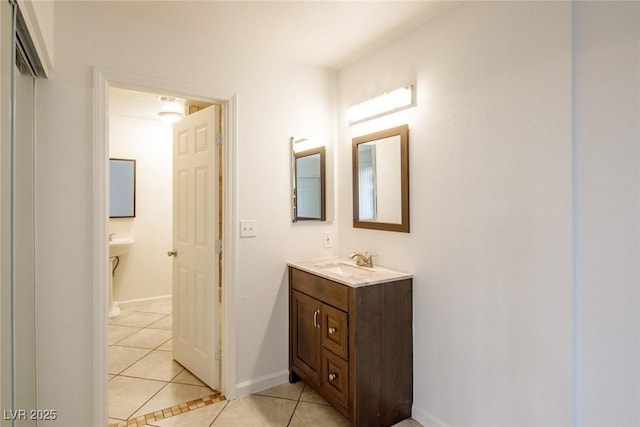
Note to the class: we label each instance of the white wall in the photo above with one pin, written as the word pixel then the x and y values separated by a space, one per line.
pixel 524 210
pixel 607 150
pixel 145 271
pixel 275 100
pixel 490 194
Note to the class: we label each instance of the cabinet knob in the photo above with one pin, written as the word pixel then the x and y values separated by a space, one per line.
pixel 332 331
pixel 332 377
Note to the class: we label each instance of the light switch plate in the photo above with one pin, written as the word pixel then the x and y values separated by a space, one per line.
pixel 248 228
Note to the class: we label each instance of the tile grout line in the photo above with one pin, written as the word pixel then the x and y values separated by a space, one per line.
pixel 149 399
pixel 132 363
pixel 142 348
pixel 219 413
pixel 144 416
pixel 295 407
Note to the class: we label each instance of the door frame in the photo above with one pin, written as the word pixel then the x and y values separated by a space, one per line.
pixel 103 80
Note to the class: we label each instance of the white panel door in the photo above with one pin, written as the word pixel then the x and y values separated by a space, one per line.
pixel 195 265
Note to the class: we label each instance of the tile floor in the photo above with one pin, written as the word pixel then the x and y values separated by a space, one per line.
pixel 148 388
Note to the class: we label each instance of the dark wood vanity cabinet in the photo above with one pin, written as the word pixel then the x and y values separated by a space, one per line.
pixel 353 345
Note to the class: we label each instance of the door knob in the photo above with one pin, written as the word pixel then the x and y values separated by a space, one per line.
pixel 172 253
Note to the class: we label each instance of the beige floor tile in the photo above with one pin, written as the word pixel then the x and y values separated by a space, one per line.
pixel 133 306
pixel 409 422
pixel 284 391
pixel 120 358
pixel 146 338
pixel 201 417
pixel 173 394
pixel 258 411
pixel 309 395
pixel 166 346
pixel 117 332
pixel 126 395
pixel 158 307
pixel 313 415
pixel 186 377
pixel 138 319
pixel 164 323
pixel 157 365
pixel 124 311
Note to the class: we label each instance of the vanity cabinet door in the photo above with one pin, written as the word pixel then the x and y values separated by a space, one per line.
pixel 305 324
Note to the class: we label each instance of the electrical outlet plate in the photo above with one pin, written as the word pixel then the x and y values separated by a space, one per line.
pixel 327 239
pixel 248 228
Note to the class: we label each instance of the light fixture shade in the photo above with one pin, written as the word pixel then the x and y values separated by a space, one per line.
pixel 386 103
pixel 170 117
pixel 171 109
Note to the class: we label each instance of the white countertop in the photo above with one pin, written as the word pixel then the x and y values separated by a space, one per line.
pixel 346 272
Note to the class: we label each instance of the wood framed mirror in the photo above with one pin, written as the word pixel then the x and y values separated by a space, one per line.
pixel 381 180
pixel 309 185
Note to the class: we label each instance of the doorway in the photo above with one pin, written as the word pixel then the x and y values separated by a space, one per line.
pixel 153 309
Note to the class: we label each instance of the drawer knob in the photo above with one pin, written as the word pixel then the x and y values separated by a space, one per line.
pixel 332 377
pixel 332 331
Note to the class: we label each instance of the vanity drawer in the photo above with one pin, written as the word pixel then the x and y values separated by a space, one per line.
pixel 335 330
pixel 329 292
pixel 335 377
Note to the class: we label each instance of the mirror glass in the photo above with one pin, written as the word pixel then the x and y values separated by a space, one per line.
pixel 381 180
pixel 309 185
pixel 122 188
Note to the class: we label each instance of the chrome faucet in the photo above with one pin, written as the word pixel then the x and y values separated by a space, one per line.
pixel 365 260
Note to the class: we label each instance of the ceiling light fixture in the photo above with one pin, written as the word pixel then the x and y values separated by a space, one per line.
pixel 387 103
pixel 171 110
pixel 170 117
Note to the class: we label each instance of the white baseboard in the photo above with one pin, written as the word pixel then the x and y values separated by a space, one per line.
pixel 426 418
pixel 133 303
pixel 258 384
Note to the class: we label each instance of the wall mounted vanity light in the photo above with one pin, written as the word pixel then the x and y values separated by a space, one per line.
pixel 387 103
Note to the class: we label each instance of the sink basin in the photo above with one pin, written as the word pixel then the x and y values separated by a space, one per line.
pixel 342 269
pixel 119 246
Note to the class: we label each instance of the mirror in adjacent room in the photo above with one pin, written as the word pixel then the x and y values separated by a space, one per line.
pixel 381 180
pixel 308 185
pixel 122 188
